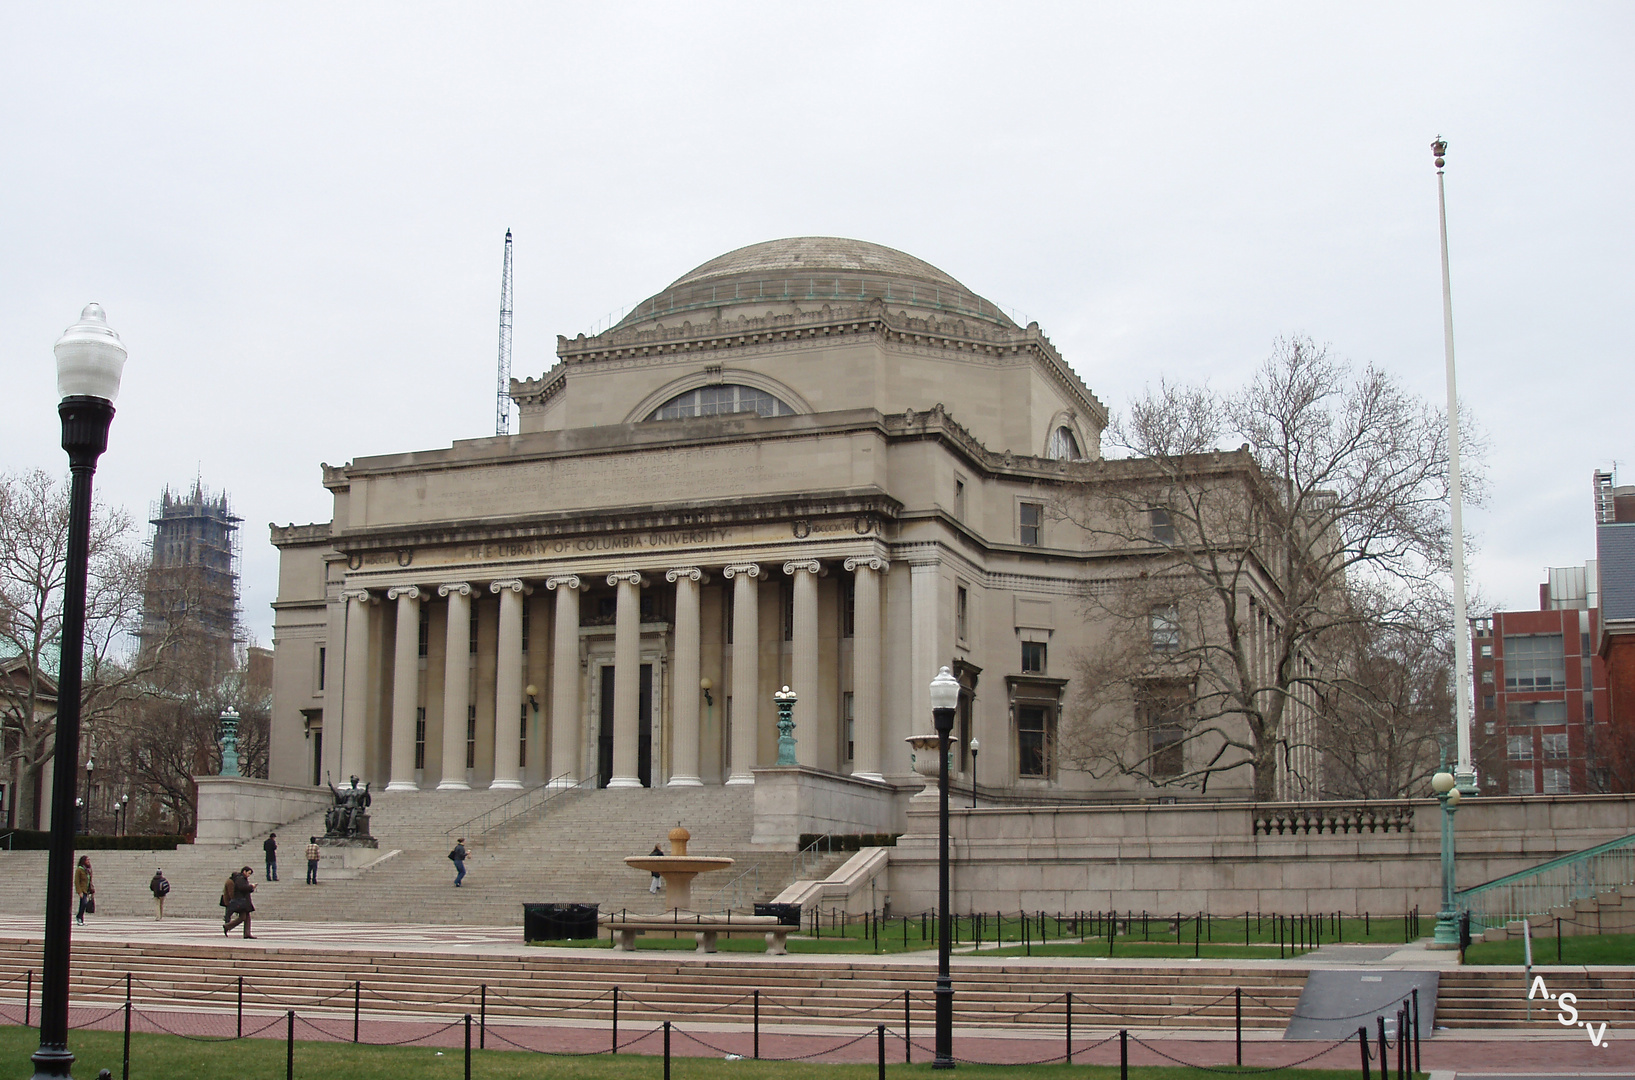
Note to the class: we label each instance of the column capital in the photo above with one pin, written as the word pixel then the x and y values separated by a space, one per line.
pixel 516 585
pixel 633 577
pixel 360 595
pixel 677 573
pixel 867 562
pixel 565 581
pixel 411 592
pixel 461 587
pixel 811 566
pixel 748 569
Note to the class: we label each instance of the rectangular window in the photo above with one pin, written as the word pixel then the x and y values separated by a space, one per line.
pixel 473 635
pixel 522 743
pixel 323 664
pixel 1521 781
pixel 1490 727
pixel 424 634
pixel 1555 746
pixel 1487 650
pixel 847 722
pixel 1557 782
pixel 848 607
pixel 959 499
pixel 471 736
pixel 1033 740
pixel 1520 747
pixel 1031 517
pixel 1536 712
pixel 1487 702
pixel 1487 677
pixel 1164 711
pixel 1033 656
pixel 420 738
pixel 961 600
pixel 1163 526
pixel 1166 628
pixel 1534 662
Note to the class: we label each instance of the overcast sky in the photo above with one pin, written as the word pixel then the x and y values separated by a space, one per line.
pixel 294 214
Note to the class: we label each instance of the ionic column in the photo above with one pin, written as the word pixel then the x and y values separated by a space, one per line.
pixel 866 666
pixel 922 614
pixel 456 685
pixel 508 686
pixel 684 731
pixel 405 685
pixel 746 657
pixel 355 691
pixel 803 667
pixel 627 658
pixel 564 717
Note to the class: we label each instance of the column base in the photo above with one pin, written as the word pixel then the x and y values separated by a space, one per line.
pixel 685 781
pixel 403 785
pixel 741 779
pixel 505 785
pixel 624 781
pixel 453 785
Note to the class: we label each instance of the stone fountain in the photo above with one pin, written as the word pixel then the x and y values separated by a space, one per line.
pixel 678 869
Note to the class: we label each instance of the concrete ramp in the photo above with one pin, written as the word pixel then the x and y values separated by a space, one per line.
pixel 1336 1002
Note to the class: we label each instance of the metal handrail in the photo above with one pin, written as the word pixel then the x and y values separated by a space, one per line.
pixel 1552 884
pixel 477 829
pixel 738 889
pixel 812 854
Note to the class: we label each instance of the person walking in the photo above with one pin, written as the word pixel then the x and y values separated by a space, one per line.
pixel 160 889
pixel 657 883
pixel 459 857
pixel 84 889
pixel 235 897
pixel 312 860
pixel 270 846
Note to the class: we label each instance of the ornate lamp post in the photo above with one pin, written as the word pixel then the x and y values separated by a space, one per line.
pixel 124 808
pixel 975 746
pixel 229 743
pixel 944 700
pixel 90 360
pixel 1447 920
pixel 785 700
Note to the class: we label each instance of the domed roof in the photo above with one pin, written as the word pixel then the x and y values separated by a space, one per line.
pixel 817 255
pixel 810 271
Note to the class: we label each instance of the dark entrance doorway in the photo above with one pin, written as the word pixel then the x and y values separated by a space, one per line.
pixel 644 728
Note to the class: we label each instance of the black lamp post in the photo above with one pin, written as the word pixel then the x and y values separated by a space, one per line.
pixel 90 360
pixel 944 700
pixel 975 746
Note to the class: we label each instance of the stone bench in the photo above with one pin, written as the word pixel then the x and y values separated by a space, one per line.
pixel 705 934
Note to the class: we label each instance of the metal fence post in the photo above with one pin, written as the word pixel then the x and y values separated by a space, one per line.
pixel 482 1022
pixel 125 1070
pixel 289 1045
pixel 1416 1029
pixel 468 1046
pixel 28 1000
pixel 1123 1055
pixel 615 1019
pixel 667 1050
pixel 908 1033
pixel 1070 1027
pixel 1238 993
pixel 757 1025
pixel 357 1006
pixel 240 1007
pixel 880 1045
pixel 1362 1044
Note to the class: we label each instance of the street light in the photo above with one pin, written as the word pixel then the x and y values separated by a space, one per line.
pixel 124 814
pixel 975 746
pixel 90 775
pixel 944 700
pixel 1447 920
pixel 90 360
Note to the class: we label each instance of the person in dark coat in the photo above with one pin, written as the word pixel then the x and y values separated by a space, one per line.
pixel 270 846
pixel 657 883
pixel 236 898
pixel 160 889
pixel 459 857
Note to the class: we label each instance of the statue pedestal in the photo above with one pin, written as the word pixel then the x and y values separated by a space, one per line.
pixel 348 842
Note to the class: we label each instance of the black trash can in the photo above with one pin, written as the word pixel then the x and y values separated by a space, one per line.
pixel 788 914
pixel 558 922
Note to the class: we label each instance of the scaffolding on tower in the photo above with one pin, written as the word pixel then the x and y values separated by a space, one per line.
pixel 502 402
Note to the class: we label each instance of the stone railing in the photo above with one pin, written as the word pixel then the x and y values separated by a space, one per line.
pixel 1275 819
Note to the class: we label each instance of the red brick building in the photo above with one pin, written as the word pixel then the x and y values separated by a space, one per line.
pixel 1615 556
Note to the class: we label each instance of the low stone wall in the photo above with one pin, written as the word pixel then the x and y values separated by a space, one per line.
pixel 795 799
pixel 1354 857
pixel 233 809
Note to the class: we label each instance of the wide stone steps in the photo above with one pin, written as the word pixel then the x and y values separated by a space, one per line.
pixel 1497 998
pixel 581 986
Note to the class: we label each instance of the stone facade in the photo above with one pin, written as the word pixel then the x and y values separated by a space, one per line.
pixel 810 462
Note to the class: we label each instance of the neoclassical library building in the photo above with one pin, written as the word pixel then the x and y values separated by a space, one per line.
pixel 811 462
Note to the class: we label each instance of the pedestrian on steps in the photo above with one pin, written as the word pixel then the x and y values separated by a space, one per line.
pixel 657 883
pixel 312 860
pixel 160 889
pixel 235 897
pixel 84 889
pixel 459 857
pixel 270 846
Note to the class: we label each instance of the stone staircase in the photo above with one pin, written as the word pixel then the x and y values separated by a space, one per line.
pixel 1473 997
pixel 572 852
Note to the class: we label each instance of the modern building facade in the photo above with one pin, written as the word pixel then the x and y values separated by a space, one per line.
pixel 813 462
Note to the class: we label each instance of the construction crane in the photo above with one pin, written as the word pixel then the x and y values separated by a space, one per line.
pixel 502 399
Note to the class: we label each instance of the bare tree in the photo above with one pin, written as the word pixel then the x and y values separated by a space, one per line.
pixel 1253 568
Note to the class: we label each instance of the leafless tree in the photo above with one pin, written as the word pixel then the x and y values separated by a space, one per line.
pixel 1254 568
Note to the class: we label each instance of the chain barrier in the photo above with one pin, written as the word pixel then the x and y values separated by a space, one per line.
pixel 892 1004
pixel 625 995
pixel 83 1023
pixel 290 1003
pixel 1238 1070
pixel 424 1035
pixel 150 1018
pixel 372 992
pixel 529 1009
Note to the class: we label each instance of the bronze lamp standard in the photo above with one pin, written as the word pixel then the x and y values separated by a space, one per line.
pixel 90 360
pixel 944 700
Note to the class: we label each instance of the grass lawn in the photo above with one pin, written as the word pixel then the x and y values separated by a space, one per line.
pixel 1616 949
pixel 1134 936
pixel 163 1057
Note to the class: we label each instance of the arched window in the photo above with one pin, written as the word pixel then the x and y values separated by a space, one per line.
pixel 719 401
pixel 1063 446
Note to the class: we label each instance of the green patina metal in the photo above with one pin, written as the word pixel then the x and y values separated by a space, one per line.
pixel 1552 884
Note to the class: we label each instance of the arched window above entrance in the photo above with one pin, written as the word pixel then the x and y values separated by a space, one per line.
pixel 719 401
